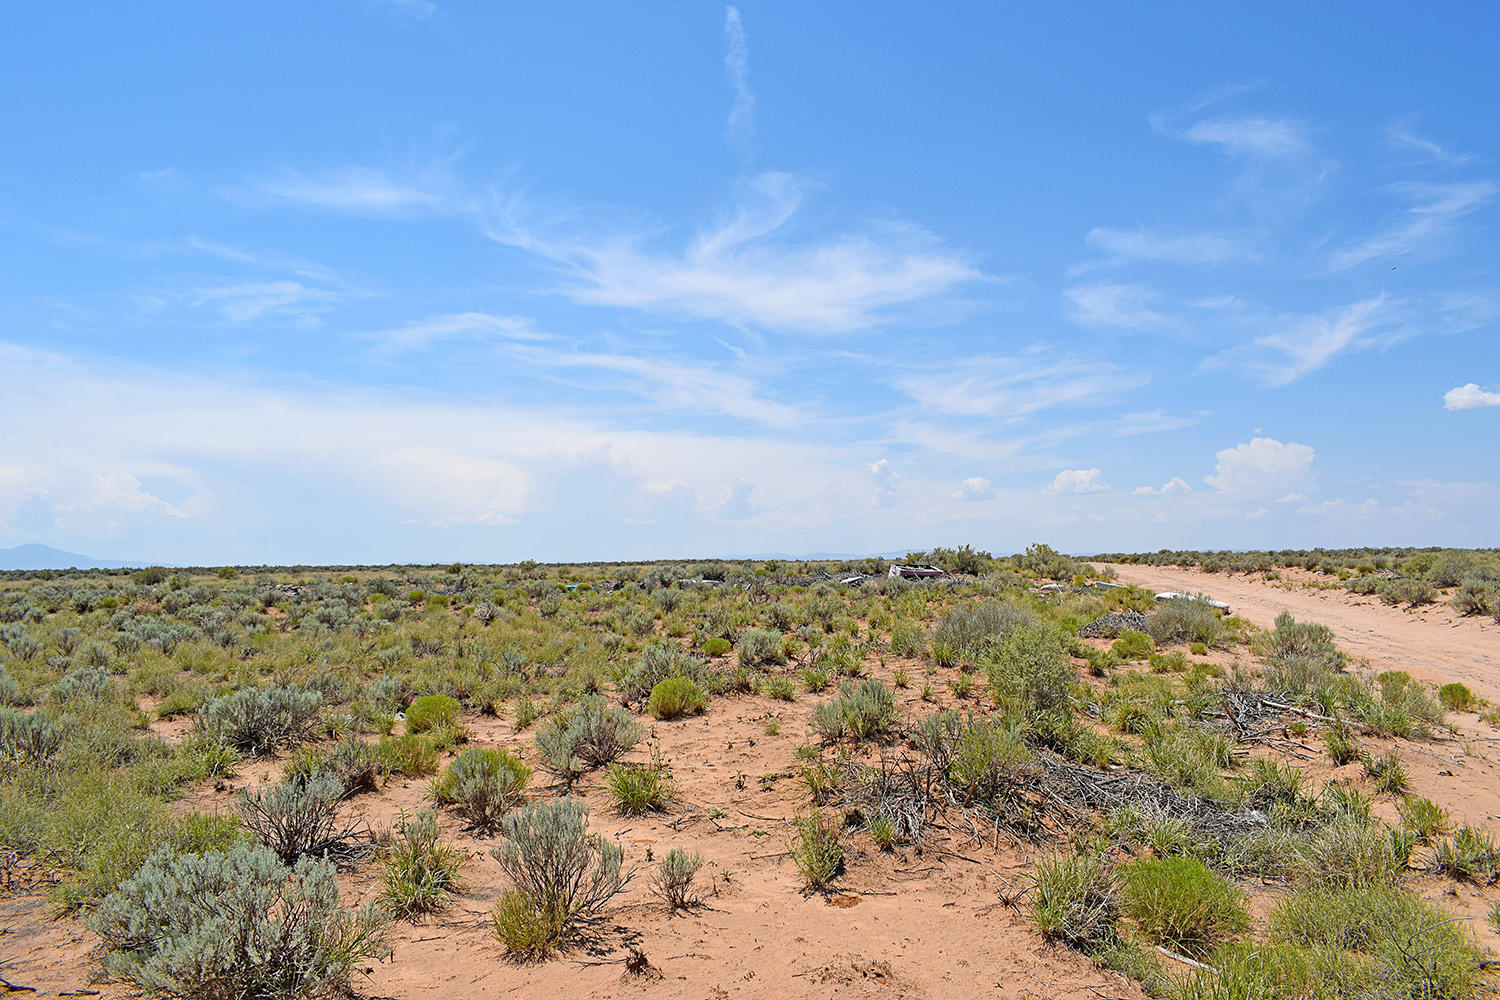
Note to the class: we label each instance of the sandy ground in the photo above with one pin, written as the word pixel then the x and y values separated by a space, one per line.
pixel 944 921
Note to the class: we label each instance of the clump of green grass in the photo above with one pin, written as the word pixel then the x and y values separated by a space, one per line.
pixel 817 848
pixel 1388 773
pixel 640 788
pixel 675 697
pixel 1179 902
pixel 1075 900
pixel 1377 941
pixel 412 756
pixel 1133 645
pixel 1424 818
pixel 421 871
pixel 1470 855
pixel 433 711
pixel 862 710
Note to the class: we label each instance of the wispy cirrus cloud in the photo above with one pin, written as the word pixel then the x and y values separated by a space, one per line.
pixel 1111 304
pixel 424 333
pixel 1403 135
pixel 1437 207
pixel 750 269
pixel 1124 246
pixel 1010 388
pixel 674 384
pixel 355 189
pixel 1281 169
pixel 241 303
pixel 739 129
pixel 1298 345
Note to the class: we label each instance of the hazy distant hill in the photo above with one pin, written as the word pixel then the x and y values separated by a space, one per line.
pixel 36 556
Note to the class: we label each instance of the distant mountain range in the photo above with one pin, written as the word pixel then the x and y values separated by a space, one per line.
pixel 36 556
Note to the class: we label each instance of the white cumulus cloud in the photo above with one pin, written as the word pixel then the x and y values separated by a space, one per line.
pixel 1262 465
pixel 1078 481
pixel 1470 397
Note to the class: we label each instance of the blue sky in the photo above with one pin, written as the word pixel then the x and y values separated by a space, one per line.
pixel 383 281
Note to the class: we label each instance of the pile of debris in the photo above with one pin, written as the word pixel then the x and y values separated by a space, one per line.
pixel 1112 624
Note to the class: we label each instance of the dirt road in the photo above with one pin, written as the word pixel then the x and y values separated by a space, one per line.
pixel 1432 644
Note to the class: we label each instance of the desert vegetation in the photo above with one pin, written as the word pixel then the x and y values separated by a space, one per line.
pixel 1188 805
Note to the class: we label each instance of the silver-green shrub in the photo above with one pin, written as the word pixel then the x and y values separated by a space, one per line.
pixel 260 720
pixel 236 924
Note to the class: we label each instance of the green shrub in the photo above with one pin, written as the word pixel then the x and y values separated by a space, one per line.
pixel 989 763
pixel 298 819
pixel 1410 592
pixel 587 736
pixel 1184 619
pixel 674 879
pixel 817 849
pixel 717 646
pixel 1074 899
pixel 676 696
pixel 1457 698
pixel 27 738
pixel 1181 903
pixel 1133 645
pixel 1475 597
pixel 1028 670
pixel 967 633
pixel 421 872
pixel 260 720
pixel 561 875
pixel 660 661
pixel 235 924
pixel 1379 941
pixel 640 788
pixel 411 755
pixel 433 711
pixel 482 784
pixel 758 646
pixel 863 710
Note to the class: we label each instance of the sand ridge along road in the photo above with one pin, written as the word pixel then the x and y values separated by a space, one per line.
pixel 1433 644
